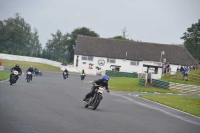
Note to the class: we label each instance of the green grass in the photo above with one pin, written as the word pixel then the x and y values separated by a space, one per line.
pixel 4 75
pixel 132 84
pixel 26 65
pixel 186 104
pixel 178 78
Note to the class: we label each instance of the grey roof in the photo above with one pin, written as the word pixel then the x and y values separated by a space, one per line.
pixel 138 51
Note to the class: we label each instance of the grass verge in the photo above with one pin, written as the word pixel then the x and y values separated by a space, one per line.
pixel 4 75
pixel 185 104
pixel 193 78
pixel 132 84
pixel 26 65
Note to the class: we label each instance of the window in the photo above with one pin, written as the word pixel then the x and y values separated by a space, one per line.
pixel 135 63
pixel 84 57
pixel 90 58
pixel 84 62
pixel 110 60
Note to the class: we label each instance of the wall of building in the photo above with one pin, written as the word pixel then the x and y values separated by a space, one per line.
pixel 125 66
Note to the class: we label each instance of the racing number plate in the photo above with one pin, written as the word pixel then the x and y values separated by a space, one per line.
pixel 101 90
pixel 15 72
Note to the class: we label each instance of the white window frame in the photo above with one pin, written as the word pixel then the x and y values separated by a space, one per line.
pixel 84 57
pixel 134 63
pixel 110 60
pixel 89 58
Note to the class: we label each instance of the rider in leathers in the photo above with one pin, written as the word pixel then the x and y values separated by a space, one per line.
pixel 30 69
pixel 17 68
pixel 102 82
pixel 66 72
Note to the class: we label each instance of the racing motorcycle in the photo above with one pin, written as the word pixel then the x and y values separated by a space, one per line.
pixel 95 100
pixel 14 77
pixel 37 72
pixel 65 75
pixel 29 76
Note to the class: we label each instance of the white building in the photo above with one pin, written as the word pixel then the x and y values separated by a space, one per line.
pixel 127 56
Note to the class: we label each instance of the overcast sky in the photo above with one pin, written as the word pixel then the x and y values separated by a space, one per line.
pixel 158 21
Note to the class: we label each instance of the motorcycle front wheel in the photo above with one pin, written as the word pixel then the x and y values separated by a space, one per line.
pixel 96 102
pixel 28 78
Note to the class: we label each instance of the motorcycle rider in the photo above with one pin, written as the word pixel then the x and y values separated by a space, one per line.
pixel 102 82
pixel 66 72
pixel 36 71
pixel 30 69
pixel 16 68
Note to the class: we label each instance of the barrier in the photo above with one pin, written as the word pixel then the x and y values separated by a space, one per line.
pixel 121 74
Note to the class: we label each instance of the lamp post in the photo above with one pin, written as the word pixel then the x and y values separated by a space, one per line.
pixel 162 53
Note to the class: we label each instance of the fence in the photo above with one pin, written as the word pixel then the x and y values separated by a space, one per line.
pixel 121 74
pixel 160 84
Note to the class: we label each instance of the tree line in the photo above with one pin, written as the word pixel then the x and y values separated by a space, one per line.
pixel 192 40
pixel 17 37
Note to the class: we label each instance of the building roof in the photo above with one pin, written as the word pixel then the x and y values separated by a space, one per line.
pixel 131 50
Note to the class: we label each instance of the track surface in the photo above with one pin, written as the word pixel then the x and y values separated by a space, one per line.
pixel 50 104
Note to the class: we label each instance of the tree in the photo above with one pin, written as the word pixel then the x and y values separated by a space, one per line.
pixel 73 36
pixel 124 32
pixel 16 37
pixel 57 47
pixel 192 40
pixel 119 37
pixel 35 45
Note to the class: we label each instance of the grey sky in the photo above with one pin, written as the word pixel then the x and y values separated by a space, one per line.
pixel 159 21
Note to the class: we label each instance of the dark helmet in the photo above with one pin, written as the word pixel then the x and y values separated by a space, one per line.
pixel 105 77
pixel 16 65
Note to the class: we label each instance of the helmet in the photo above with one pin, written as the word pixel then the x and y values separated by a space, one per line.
pixel 16 65
pixel 105 77
pixel 31 66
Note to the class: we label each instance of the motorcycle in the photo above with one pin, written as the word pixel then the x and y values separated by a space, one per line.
pixel 29 76
pixel 13 77
pixel 37 72
pixel 82 76
pixel 95 100
pixel 65 75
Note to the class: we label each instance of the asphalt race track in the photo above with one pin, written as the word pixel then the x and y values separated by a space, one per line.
pixel 50 104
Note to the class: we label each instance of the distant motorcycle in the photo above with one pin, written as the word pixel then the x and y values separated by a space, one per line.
pixel 95 100
pixel 38 73
pixel 82 76
pixel 29 76
pixel 65 75
pixel 14 77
